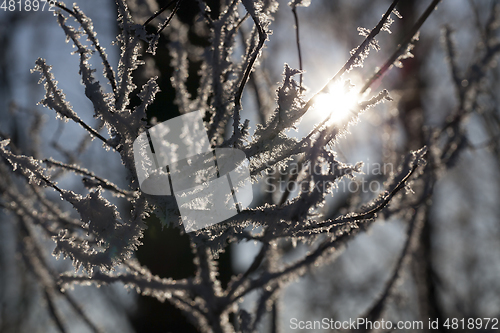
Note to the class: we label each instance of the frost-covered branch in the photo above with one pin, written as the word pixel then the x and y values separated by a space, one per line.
pixel 101 236
pixel 404 48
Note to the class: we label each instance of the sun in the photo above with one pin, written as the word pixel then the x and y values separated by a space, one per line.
pixel 338 104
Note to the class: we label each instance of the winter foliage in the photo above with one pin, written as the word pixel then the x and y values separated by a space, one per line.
pixel 100 239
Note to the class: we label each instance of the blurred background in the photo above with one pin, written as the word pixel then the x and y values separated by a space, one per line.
pixel 461 247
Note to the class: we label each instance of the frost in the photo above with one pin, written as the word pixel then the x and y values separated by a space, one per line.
pixel 254 7
pixel 30 167
pixel 395 12
pixel 299 3
pixel 54 97
pixel 363 31
pixel 289 99
pixel 406 55
pixel 101 216
pixel 387 25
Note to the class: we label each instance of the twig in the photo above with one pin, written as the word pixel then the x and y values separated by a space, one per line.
pixel 41 268
pixel 253 267
pixel 324 247
pixel 167 21
pixel 66 9
pixel 238 26
pixel 52 311
pixel 155 15
pixel 477 21
pixel 103 182
pixel 57 97
pixel 108 71
pixel 312 228
pixel 297 38
pixel 248 70
pixel 361 48
pixel 375 311
pixel 450 51
pixel 402 47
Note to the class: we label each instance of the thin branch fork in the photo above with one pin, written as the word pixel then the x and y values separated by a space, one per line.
pixel 155 15
pixel 167 21
pixel 76 169
pixel 361 48
pixel 372 213
pixel 402 47
pixel 108 71
pixel 325 246
pixel 246 75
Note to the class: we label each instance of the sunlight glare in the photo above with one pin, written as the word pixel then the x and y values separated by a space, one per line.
pixel 338 103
